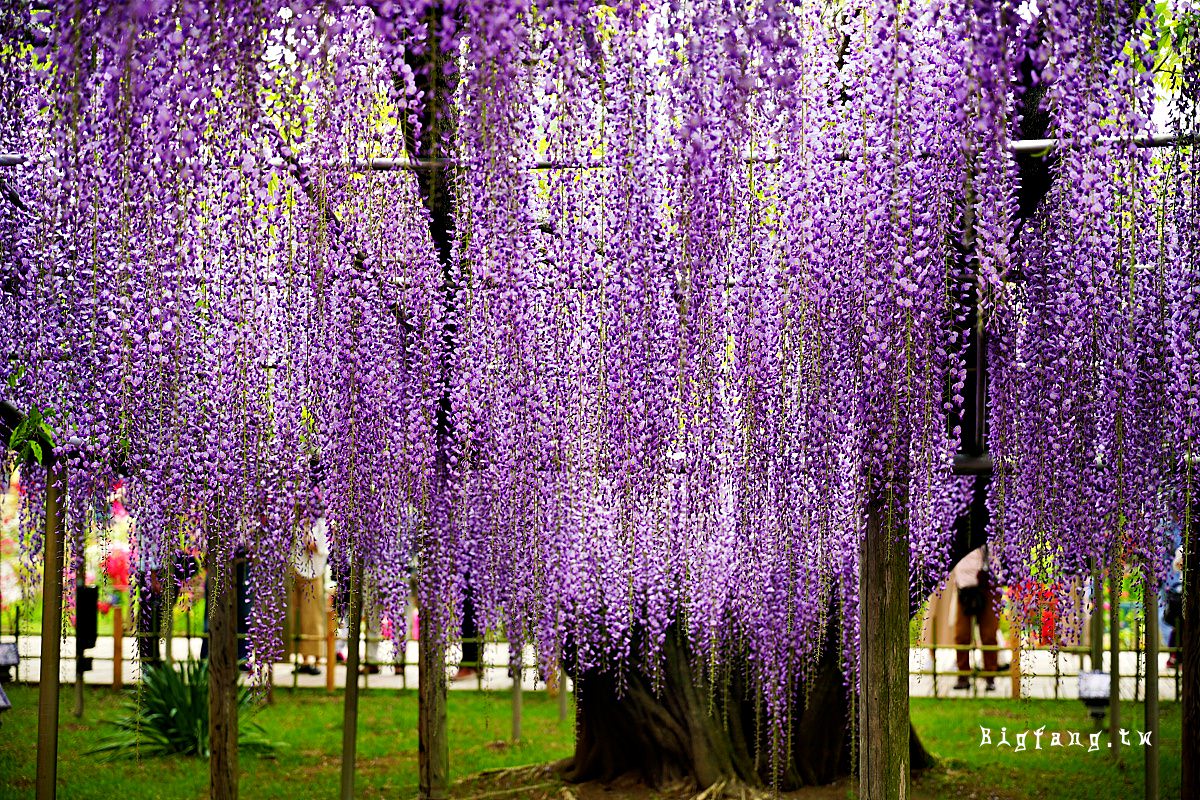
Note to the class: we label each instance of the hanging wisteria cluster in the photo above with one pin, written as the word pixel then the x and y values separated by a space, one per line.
pixel 208 295
pixel 729 313
pixel 714 273
pixel 722 321
pixel 1093 348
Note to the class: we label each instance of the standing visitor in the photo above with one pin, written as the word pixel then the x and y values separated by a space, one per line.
pixel 157 589
pixel 469 664
pixel 1172 603
pixel 310 554
pixel 245 606
pixel 978 598
pixel 372 621
pixel 149 585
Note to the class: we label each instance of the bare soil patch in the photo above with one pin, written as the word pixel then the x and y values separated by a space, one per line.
pixel 544 782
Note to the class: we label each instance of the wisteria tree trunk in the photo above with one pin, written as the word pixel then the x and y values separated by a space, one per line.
pixel 692 730
pixel 222 681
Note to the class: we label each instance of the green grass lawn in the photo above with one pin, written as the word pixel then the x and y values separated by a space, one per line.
pixel 308 724
pixel 950 729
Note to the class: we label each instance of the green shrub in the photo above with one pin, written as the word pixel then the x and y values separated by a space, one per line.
pixel 168 715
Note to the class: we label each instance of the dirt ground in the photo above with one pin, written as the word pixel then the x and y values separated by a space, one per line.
pixel 543 782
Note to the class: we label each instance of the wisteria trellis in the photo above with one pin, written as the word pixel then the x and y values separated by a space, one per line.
pixel 683 358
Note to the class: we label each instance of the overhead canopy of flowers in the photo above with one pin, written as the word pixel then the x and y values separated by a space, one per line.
pixel 713 273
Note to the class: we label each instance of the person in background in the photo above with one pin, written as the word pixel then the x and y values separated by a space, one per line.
pixel 469 665
pixel 1172 602
pixel 149 584
pixel 309 557
pixel 372 621
pixel 245 607
pixel 153 583
pixel 978 598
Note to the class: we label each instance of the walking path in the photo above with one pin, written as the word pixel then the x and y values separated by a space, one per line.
pixel 1038 668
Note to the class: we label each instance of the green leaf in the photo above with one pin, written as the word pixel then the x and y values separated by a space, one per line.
pixel 36 449
pixel 169 715
pixel 17 374
pixel 19 434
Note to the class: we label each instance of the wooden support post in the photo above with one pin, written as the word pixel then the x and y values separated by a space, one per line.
pixel 1114 661
pixel 433 744
pixel 1150 752
pixel 52 588
pixel 330 646
pixel 118 647
pixel 883 727
pixel 515 667
pixel 222 676
pixel 1189 656
pixel 350 706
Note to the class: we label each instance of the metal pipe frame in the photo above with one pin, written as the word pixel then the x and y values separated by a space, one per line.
pixel 1017 147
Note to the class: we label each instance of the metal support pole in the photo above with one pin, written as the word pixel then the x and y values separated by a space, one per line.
pixel 350 708
pixel 52 588
pixel 1019 146
pixel 1150 606
pixel 883 727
